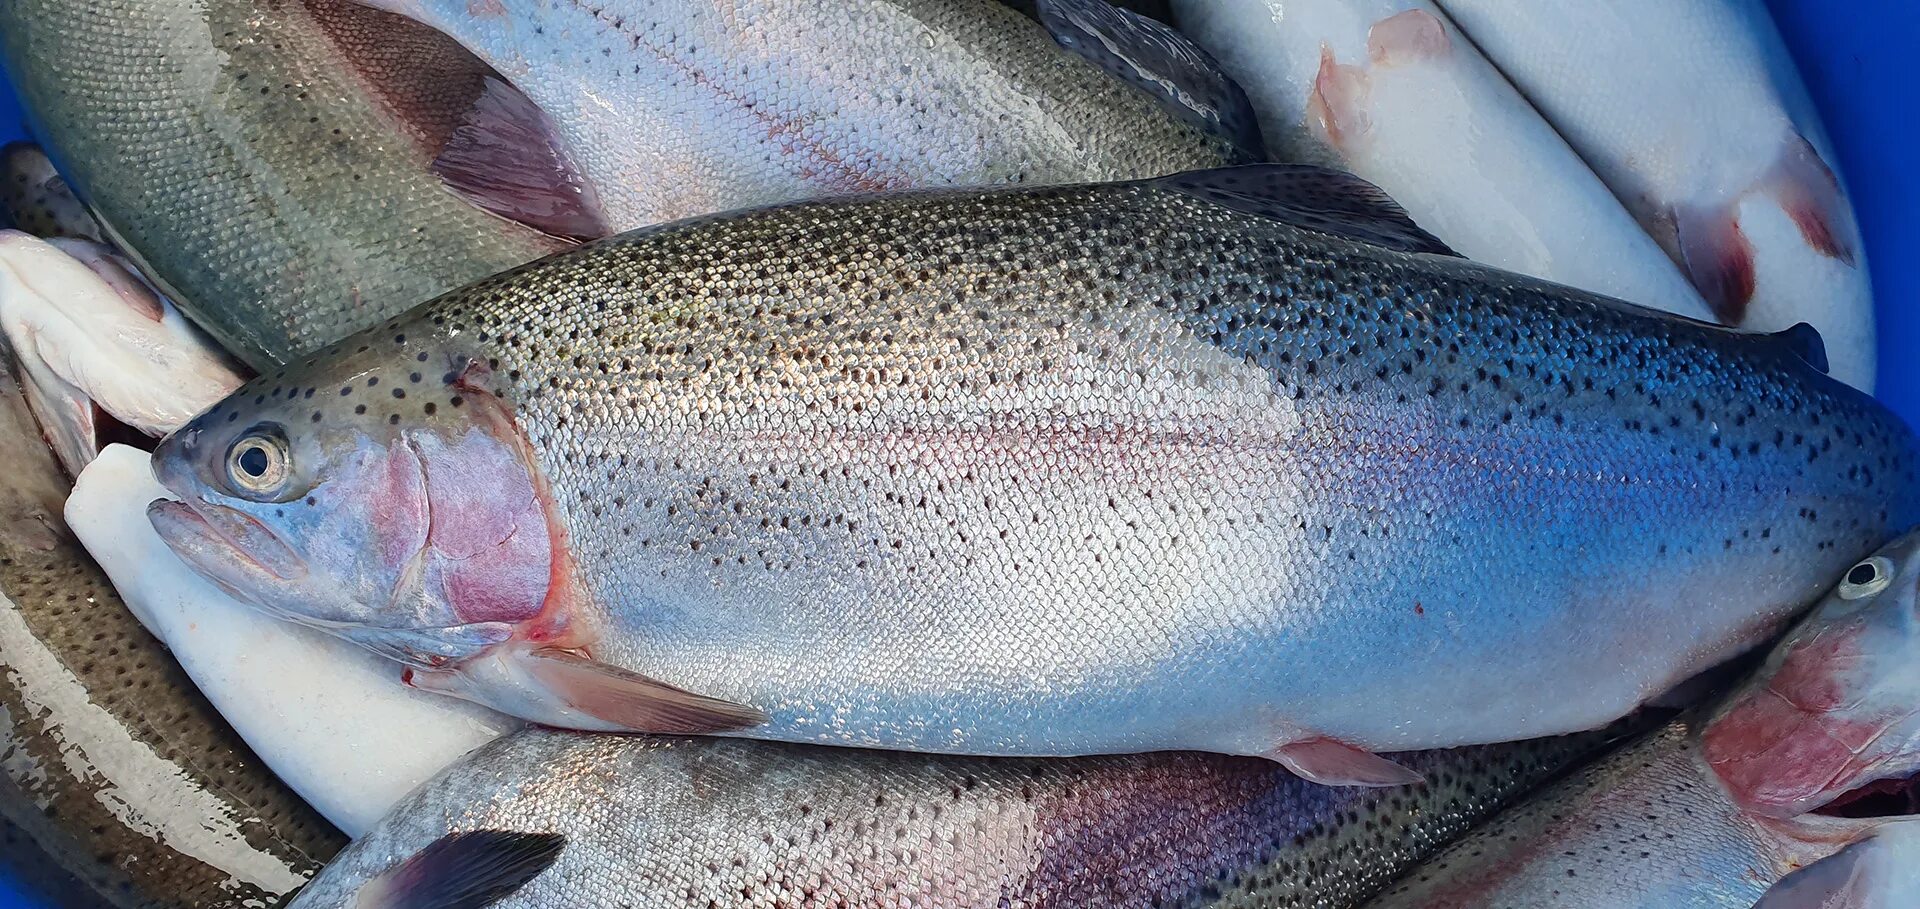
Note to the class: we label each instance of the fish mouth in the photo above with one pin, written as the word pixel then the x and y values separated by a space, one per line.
pixel 1888 797
pixel 226 546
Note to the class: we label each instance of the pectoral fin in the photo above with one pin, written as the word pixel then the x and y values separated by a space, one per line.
pixel 567 690
pixel 1830 883
pixel 508 159
pixel 1331 762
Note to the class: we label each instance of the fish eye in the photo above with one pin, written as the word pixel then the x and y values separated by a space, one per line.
pixel 257 462
pixel 1867 578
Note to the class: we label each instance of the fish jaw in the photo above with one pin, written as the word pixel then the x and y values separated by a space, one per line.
pixel 1834 715
pixel 228 548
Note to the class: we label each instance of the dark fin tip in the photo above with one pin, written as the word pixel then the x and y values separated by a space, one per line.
pixel 467 870
pixel 1314 198
pixel 1152 57
pixel 1805 342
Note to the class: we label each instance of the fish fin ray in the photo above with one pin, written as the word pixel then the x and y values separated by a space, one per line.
pixel 1331 762
pixel 1719 258
pixel 1158 60
pixel 467 870
pixel 507 158
pixel 634 701
pixel 1809 192
pixel 1804 341
pixel 1313 198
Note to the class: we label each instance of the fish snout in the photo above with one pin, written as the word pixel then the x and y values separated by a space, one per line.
pixel 226 545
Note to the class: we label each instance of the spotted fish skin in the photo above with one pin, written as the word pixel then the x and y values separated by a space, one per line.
pixel 1076 470
pixel 673 110
pixel 116 769
pixel 269 163
pixel 653 823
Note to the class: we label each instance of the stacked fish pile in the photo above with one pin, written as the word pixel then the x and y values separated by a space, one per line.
pixel 943 453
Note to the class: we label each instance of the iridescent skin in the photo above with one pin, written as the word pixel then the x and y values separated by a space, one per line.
pixel 710 823
pixel 268 162
pixel 1681 820
pixel 1082 470
pixel 120 778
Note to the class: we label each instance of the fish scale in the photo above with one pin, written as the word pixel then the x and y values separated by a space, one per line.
pixel 267 162
pixel 659 823
pixel 1095 469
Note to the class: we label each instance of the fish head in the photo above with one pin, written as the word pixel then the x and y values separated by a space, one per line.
pixel 1829 726
pixel 382 492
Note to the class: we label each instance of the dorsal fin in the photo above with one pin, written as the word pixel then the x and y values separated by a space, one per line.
pixel 466 870
pixel 1805 342
pixel 1156 59
pixel 1316 198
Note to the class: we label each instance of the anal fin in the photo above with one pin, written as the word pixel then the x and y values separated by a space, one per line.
pixel 1331 762
pixel 467 870
pixel 508 159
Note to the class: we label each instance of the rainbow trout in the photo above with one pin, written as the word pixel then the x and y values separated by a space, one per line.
pixel 707 823
pixel 1234 460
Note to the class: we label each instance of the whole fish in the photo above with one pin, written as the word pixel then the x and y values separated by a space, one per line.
pixel 115 768
pixel 1800 792
pixel 35 199
pixel 671 110
pixel 95 343
pixel 268 163
pixel 1220 461
pixel 1694 113
pixel 329 718
pixel 1390 90
pixel 708 823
